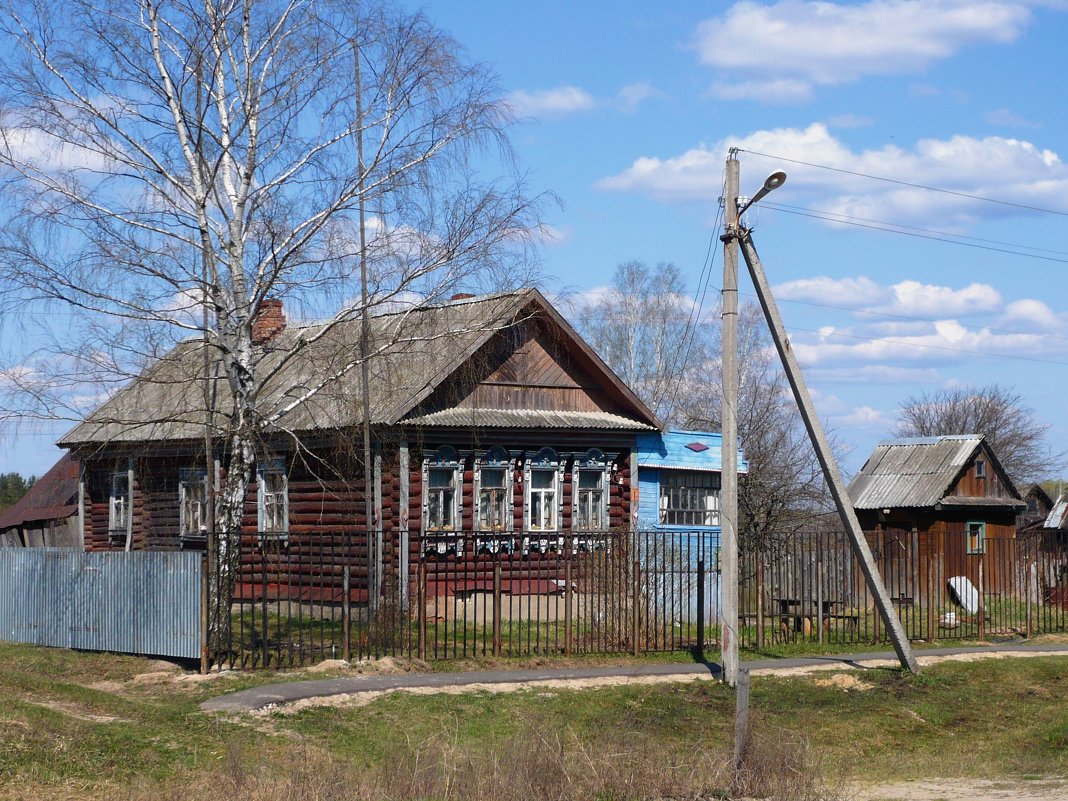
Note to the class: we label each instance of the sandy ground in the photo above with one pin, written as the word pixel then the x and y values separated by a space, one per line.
pixel 967 790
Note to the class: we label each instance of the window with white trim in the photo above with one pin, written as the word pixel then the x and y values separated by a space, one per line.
pixel 689 498
pixel 441 491
pixel 543 491
pixel 590 482
pixel 119 504
pixel 192 503
pixel 273 500
pixel 493 510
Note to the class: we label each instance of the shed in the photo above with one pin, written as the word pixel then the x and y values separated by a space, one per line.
pixel 937 506
pixel 47 515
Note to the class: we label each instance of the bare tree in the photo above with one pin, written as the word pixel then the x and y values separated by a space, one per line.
pixel 784 491
pixel 665 346
pixel 997 413
pixel 644 326
pixel 169 165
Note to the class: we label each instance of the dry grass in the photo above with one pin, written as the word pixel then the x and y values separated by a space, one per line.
pixel 534 765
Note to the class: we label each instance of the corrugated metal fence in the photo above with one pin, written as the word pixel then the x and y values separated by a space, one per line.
pixel 138 603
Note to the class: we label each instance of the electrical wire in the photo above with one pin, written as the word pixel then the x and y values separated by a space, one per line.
pixel 899 182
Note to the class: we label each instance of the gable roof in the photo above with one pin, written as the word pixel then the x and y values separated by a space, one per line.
pixel 312 381
pixel 53 496
pixel 919 471
pixel 685 450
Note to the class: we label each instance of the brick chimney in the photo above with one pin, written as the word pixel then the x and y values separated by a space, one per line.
pixel 269 322
pixel 461 296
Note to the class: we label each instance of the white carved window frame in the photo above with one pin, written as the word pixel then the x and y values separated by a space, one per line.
pixel 120 503
pixel 192 478
pixel 495 539
pixel 548 539
pixel 444 540
pixel 272 487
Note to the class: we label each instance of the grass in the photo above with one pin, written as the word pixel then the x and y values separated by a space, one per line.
pixel 81 725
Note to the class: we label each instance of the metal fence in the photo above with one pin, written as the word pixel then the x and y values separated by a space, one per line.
pixel 139 603
pixel 810 587
pixel 454 595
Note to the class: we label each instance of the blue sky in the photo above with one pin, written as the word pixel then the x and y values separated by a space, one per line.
pixel 629 109
pixel 629 112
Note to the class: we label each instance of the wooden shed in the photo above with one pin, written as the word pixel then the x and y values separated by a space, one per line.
pixel 934 508
pixel 47 515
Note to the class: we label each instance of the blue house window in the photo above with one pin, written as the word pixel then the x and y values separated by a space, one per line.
pixel 689 498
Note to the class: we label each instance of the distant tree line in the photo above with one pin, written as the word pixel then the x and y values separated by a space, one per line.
pixel 12 487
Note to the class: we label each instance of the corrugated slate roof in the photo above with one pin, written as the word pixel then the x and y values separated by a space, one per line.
pixel 53 496
pixel 312 378
pixel 684 450
pixel 911 473
pixel 526 418
pixel 1058 515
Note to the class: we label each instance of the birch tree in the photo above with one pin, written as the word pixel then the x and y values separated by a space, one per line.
pixel 168 165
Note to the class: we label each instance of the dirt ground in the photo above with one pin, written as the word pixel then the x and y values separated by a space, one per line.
pixel 967 790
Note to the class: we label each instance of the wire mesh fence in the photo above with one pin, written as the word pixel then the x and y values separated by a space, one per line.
pixel 284 602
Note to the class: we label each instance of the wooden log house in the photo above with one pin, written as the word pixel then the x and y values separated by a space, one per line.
pixel 494 427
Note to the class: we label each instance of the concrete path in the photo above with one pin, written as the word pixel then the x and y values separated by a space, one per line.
pixel 257 698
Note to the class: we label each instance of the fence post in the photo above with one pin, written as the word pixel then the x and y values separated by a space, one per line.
pixel 263 619
pixel 204 614
pixel 421 595
pixel 568 601
pixel 819 594
pixel 346 616
pixel 882 570
pixel 1029 589
pixel 635 623
pixel 982 600
pixel 760 599
pixel 497 609
pixel 700 610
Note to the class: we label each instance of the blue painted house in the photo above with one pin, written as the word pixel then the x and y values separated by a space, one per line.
pixel 679 481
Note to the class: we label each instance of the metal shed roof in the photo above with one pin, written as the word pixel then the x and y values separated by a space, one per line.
pixel 54 496
pixel 917 472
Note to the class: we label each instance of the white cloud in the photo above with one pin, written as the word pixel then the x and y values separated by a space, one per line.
pixel 848 292
pixel 1009 170
pixel 865 417
pixel 631 96
pixel 774 91
pixel 923 300
pixel 558 101
pixel 48 153
pixel 1008 119
pixel 823 43
pixel 563 100
pixel 849 121
pixel 874 374
pixel 1033 314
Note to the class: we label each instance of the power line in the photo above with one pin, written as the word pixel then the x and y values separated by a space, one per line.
pixel 820 216
pixel 844 218
pixel 907 183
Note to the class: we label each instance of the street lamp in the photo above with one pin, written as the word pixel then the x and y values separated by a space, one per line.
pixel 771 183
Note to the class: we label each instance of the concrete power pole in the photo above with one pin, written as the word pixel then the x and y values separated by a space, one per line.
pixel 728 512
pixel 736 236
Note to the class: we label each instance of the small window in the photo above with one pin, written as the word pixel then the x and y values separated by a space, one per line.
pixel 193 504
pixel 441 499
pixel 590 500
pixel 273 500
pixel 977 538
pixel 119 505
pixel 689 498
pixel 493 493
pixel 543 498
pixel 980 469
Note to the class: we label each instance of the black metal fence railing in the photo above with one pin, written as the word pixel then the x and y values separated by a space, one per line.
pixel 287 602
pixel 810 587
pixel 284 602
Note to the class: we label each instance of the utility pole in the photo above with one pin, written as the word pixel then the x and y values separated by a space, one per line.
pixel 823 453
pixel 736 236
pixel 728 513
